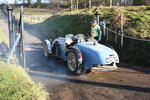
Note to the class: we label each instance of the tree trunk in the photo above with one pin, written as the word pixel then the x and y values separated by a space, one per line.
pixel 23 2
pixel 90 3
pixel 77 4
pixel 85 3
pixel 110 3
pixel 58 6
pixel 71 3
pixel 15 1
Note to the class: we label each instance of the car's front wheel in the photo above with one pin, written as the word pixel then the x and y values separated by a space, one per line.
pixel 45 50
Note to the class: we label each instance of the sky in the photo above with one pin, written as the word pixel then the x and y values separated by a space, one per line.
pixel 19 1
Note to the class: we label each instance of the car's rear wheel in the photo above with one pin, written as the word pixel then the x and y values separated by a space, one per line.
pixel 45 50
pixel 72 61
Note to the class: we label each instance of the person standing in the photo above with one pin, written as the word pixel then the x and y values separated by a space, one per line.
pixel 96 32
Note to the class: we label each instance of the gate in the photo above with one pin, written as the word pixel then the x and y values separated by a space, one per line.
pixel 15 34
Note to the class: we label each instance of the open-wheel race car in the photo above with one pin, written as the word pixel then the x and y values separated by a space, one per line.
pixel 81 55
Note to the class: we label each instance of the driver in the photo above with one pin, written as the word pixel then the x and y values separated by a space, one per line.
pixel 96 31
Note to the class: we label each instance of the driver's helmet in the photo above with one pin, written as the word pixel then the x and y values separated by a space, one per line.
pixel 68 39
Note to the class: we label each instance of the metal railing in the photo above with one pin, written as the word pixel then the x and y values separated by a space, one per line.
pixel 107 31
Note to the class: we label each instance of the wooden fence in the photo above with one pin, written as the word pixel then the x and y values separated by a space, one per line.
pixel 31 18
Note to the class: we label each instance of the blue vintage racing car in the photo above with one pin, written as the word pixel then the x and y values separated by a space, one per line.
pixel 81 54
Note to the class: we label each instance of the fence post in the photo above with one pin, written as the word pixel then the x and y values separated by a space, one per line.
pixel 42 19
pixel 104 27
pixel 77 4
pixel 115 36
pixel 71 3
pixel 29 18
pixel 22 50
pixel 85 4
pixel 122 39
pixel 90 3
pixel 121 30
pixel 106 34
pixel 36 19
pixel 10 27
pixel 110 3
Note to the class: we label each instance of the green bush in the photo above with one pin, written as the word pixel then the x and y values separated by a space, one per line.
pixel 15 84
pixel 67 24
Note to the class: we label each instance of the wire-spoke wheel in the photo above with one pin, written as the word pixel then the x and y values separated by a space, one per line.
pixel 72 61
pixel 45 49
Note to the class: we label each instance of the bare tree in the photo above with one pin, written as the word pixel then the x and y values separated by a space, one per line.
pixel 15 1
pixel 129 2
pixel 77 4
pixel 71 4
pixel 90 3
pixel 23 2
pixel 38 3
pixel 29 1
pixel 110 3
pixel 85 3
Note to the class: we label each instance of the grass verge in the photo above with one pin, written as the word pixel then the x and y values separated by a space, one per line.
pixel 15 84
pixel 3 37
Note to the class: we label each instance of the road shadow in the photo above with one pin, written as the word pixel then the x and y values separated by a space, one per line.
pixel 77 81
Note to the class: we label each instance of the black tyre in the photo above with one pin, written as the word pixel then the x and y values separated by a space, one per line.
pixel 72 61
pixel 45 50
